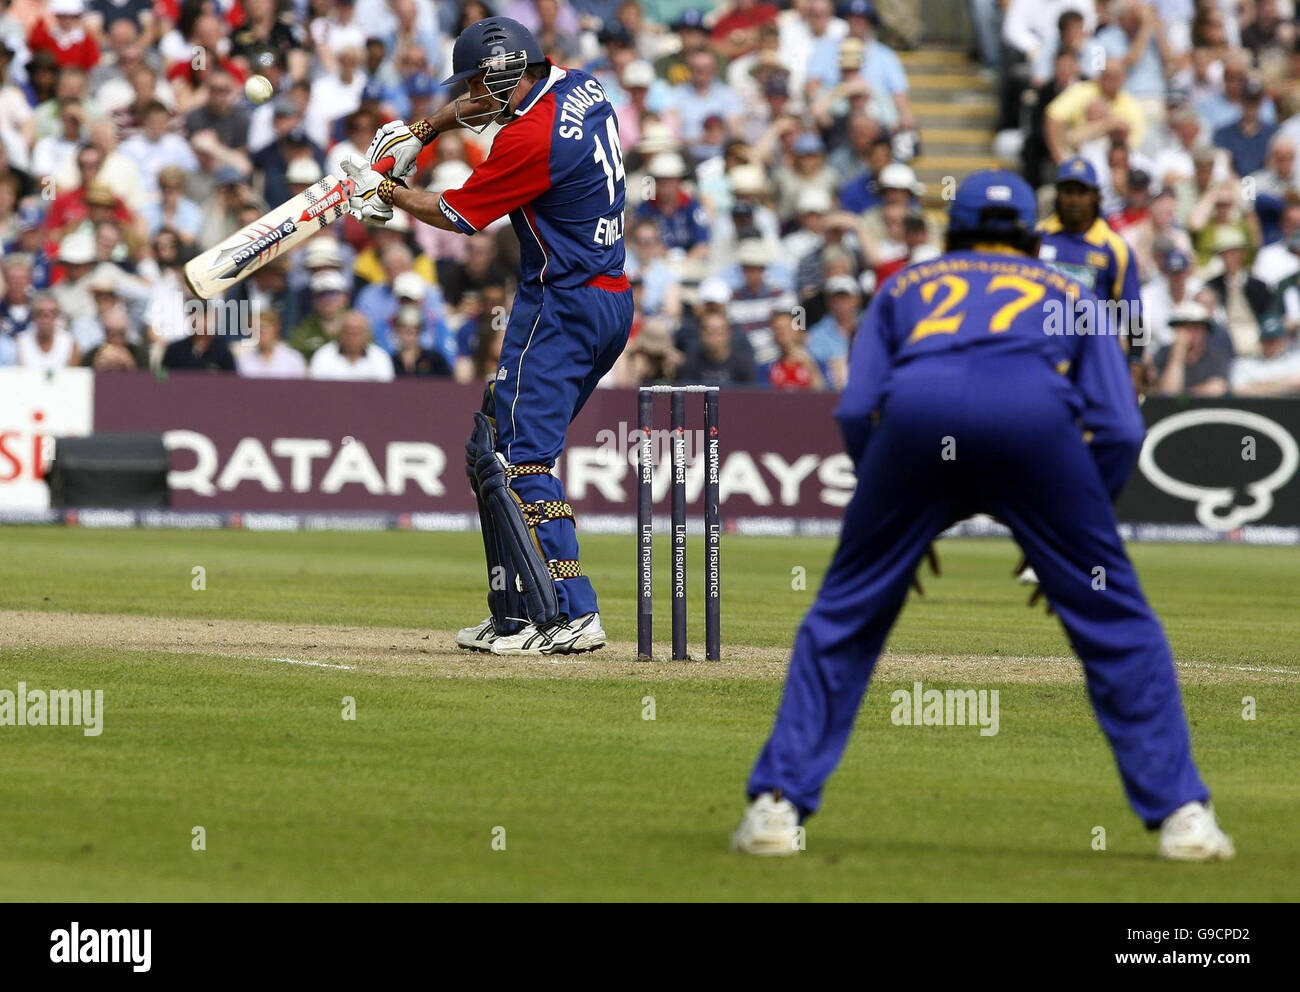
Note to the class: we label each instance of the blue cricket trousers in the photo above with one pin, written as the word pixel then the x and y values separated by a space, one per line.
pixel 559 343
pixel 1020 456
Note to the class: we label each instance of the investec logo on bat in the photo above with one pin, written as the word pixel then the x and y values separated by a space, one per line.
pixel 233 260
pixel 230 261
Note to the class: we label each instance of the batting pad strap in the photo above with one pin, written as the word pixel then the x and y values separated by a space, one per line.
pixel 564 568
pixel 527 468
pixel 546 509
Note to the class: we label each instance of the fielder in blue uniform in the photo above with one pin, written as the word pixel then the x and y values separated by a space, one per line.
pixel 556 168
pixel 1076 240
pixel 958 402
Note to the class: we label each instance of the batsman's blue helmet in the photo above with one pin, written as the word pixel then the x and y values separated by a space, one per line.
pixel 494 44
pixel 993 200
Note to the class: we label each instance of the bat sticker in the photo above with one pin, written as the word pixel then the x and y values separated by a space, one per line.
pixel 335 197
pixel 230 261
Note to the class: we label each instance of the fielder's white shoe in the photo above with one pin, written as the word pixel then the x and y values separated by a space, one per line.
pixel 769 828
pixel 477 638
pixel 1028 577
pixel 575 636
pixel 1191 833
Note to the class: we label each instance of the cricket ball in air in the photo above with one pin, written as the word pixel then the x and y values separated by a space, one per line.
pixel 258 89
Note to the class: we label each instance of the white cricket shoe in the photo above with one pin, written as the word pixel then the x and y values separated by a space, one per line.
pixel 1191 833
pixel 575 636
pixel 477 638
pixel 769 828
pixel 1028 577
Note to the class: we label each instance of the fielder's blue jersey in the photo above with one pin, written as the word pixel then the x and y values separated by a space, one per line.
pixel 974 305
pixel 1098 258
pixel 557 169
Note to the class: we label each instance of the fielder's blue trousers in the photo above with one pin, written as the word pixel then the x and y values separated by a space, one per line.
pixel 1020 456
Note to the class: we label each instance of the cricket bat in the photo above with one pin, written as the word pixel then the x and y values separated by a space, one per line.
pixel 275 232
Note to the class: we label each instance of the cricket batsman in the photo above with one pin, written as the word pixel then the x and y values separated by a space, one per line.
pixel 958 402
pixel 556 168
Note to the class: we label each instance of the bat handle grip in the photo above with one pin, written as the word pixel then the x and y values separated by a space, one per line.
pixel 384 165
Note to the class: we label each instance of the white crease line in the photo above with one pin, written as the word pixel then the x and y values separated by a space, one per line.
pixel 313 664
pixel 1239 668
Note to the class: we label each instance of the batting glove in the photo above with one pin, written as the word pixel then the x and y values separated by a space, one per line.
pixel 364 202
pixel 400 141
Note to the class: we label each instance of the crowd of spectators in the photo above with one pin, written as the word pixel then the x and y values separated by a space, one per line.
pixel 1189 113
pixel 766 149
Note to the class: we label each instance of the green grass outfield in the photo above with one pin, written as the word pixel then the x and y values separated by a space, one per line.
pixel 595 801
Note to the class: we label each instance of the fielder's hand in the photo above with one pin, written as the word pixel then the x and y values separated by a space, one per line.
pixel 364 204
pixel 396 139
pixel 932 557
pixel 1026 576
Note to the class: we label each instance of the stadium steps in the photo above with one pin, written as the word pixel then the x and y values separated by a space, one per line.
pixel 956 109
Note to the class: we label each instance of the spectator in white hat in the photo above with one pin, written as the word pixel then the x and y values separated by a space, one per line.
pixel 899 193
pixel 1243 299
pixel 64 36
pixel 679 216
pixel 88 330
pixel 811 206
pixel 1189 365
pixel 638 82
pixel 77 256
pixel 749 215
pixel 301 173
pixel 755 297
pixel 380 302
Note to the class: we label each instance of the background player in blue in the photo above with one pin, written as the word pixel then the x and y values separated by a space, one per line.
pixel 958 402
pixel 556 168
pixel 1076 240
